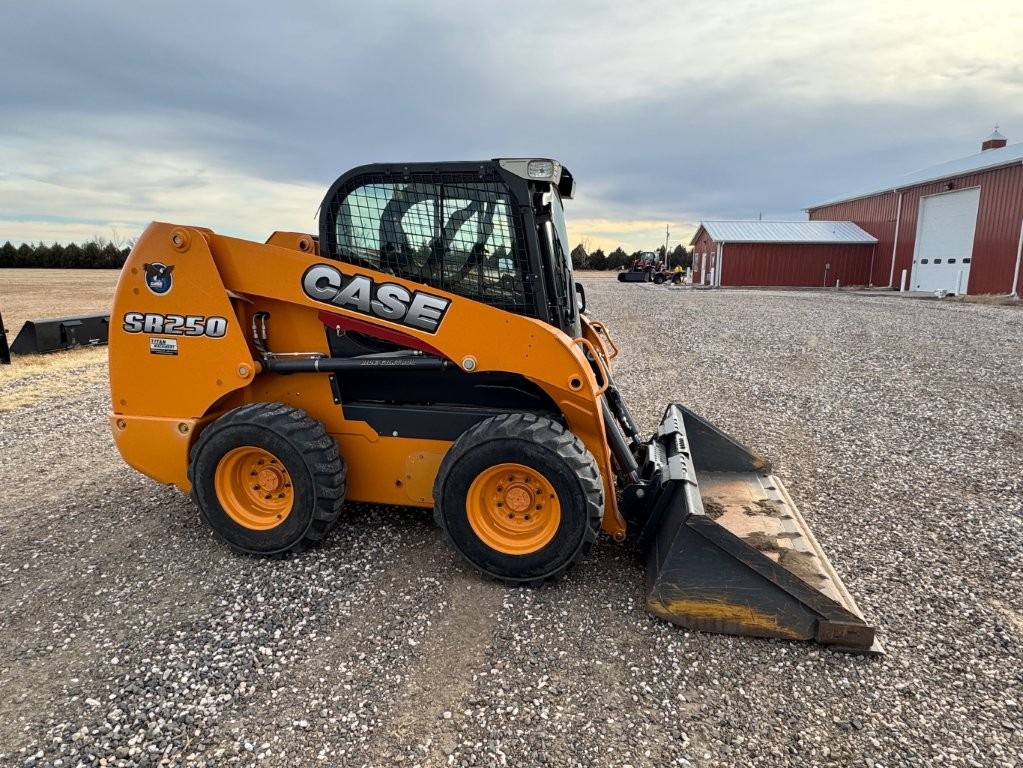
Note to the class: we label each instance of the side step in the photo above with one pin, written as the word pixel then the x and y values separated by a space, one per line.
pixel 729 552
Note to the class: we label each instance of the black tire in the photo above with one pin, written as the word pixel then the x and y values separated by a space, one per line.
pixel 558 457
pixel 621 277
pixel 658 278
pixel 311 472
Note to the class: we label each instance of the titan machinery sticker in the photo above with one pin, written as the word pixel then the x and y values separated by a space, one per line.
pixel 161 346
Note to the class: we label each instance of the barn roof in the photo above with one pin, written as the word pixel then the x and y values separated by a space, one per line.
pixel 982 161
pixel 784 232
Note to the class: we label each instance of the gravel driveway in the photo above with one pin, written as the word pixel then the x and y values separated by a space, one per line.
pixel 128 637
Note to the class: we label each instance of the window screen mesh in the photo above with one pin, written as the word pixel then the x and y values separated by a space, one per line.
pixel 449 231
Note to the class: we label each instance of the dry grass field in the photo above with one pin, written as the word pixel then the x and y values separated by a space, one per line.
pixel 31 294
pixel 34 294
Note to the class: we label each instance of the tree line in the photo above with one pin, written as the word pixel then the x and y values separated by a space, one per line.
pixel 101 254
pixel 618 258
pixel 96 254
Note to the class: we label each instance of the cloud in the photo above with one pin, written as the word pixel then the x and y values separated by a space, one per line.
pixel 103 185
pixel 241 115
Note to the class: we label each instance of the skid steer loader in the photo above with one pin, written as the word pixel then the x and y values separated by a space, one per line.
pixel 430 348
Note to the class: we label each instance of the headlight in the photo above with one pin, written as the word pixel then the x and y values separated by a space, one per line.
pixel 544 170
pixel 540 169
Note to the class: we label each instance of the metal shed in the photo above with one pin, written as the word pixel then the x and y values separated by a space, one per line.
pixel 781 253
pixel 956 226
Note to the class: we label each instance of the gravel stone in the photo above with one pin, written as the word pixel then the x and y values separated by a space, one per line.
pixel 129 637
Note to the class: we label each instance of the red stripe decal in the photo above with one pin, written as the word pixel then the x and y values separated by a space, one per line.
pixel 340 323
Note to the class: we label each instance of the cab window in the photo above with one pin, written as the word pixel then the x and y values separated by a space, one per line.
pixel 460 237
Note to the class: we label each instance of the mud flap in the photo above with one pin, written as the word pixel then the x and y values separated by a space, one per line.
pixel 727 550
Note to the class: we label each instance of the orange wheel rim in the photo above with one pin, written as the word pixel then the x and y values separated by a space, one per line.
pixel 254 488
pixel 513 509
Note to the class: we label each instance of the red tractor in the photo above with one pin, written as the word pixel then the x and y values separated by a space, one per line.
pixel 644 269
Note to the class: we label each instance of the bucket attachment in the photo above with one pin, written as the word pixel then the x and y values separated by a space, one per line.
pixel 56 333
pixel 727 550
pixel 5 351
pixel 633 276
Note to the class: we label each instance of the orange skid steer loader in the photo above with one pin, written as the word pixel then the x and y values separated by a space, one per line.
pixel 430 348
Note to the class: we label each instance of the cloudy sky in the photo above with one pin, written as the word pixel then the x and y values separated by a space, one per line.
pixel 238 115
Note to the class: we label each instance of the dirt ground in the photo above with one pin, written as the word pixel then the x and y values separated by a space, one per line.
pixel 129 637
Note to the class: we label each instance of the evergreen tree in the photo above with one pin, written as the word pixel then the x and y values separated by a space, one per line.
pixel 579 257
pixel 108 256
pixel 617 259
pixel 8 253
pixel 24 256
pixel 597 260
pixel 72 258
pixel 680 257
pixel 41 256
pixel 57 254
pixel 96 254
pixel 91 254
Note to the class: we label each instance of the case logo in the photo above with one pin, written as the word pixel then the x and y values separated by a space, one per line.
pixel 158 277
pixel 387 301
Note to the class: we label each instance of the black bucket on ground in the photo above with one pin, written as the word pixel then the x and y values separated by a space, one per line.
pixel 633 276
pixel 5 350
pixel 727 549
pixel 56 333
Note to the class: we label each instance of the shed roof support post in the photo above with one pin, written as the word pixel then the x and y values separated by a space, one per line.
pixel 895 244
pixel 1019 254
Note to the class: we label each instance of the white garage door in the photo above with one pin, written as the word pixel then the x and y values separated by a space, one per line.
pixel 944 241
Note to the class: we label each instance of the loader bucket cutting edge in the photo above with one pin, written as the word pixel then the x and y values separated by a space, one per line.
pixel 729 552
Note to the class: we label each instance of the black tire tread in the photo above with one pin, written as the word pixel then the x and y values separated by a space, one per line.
pixel 554 436
pixel 330 475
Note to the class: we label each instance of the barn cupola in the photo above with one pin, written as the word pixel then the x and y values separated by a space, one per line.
pixel 994 141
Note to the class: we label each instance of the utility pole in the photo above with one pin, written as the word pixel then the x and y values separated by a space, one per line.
pixel 667 261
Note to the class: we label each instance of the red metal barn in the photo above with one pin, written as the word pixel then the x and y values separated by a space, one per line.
pixel 955 227
pixel 805 254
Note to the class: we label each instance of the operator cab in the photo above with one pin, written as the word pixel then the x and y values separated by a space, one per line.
pixel 492 231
